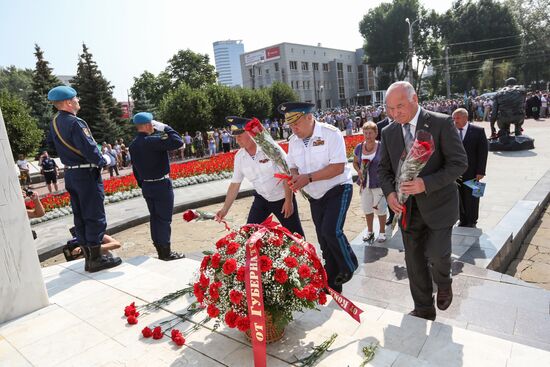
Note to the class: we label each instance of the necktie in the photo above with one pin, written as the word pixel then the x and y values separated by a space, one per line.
pixel 408 136
pixel 461 136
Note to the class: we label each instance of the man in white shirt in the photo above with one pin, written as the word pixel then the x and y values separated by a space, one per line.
pixel 318 163
pixel 271 196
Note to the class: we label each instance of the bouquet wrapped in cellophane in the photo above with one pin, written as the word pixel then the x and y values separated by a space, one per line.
pixel 271 149
pixel 410 166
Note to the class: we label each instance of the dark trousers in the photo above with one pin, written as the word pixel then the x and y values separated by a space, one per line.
pixel 261 209
pixel 159 196
pixel 427 255
pixel 329 215
pixel 469 206
pixel 113 169
pixel 85 187
pixel 226 147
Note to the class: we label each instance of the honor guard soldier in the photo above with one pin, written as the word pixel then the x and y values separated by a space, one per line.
pixel 78 152
pixel 151 166
pixel 318 163
pixel 270 196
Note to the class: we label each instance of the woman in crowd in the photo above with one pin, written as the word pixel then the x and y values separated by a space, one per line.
pixel 366 158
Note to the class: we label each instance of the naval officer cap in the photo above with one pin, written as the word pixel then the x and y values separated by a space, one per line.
pixel 142 118
pixel 236 124
pixel 294 110
pixel 61 93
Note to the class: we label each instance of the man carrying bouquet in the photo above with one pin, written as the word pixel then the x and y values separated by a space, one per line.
pixel 151 166
pixel 432 207
pixel 271 196
pixel 318 164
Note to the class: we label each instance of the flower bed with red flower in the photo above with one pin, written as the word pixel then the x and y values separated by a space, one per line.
pixel 292 278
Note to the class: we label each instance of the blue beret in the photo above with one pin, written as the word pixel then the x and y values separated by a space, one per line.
pixel 142 118
pixel 61 93
pixel 303 107
pixel 236 124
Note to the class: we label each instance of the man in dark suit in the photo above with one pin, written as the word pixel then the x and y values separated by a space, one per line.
pixel 432 207
pixel 381 125
pixel 477 148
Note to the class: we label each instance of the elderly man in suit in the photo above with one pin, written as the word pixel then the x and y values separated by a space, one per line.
pixel 432 207
pixel 477 148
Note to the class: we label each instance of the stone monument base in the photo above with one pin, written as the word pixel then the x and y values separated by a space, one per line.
pixel 511 143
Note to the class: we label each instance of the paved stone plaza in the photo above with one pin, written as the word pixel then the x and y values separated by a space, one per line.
pixel 494 320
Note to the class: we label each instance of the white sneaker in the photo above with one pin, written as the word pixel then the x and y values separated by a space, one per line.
pixel 381 237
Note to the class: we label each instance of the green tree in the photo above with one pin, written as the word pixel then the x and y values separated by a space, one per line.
pixel 476 31
pixel 532 19
pixel 23 132
pixel 98 107
pixel 256 102
pixel 42 81
pixel 386 38
pixel 225 101
pixel 148 90
pixel 191 68
pixel 186 109
pixel 279 93
pixel 16 81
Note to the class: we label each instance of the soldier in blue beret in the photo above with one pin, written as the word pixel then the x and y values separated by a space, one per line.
pixel 270 196
pixel 78 152
pixel 318 164
pixel 149 152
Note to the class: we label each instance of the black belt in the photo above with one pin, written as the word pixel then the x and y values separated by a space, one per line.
pixel 158 179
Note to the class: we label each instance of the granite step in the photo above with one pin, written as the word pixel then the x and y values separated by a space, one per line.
pixel 84 326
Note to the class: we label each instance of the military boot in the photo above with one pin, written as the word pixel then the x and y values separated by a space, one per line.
pixel 166 254
pixel 95 261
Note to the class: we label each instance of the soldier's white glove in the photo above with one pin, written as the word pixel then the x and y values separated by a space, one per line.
pixel 157 125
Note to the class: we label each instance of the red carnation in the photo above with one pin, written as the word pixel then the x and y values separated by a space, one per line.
pixel 212 311
pixel 291 261
pixel 231 318
pixel 229 266
pixel 179 340
pixel 189 215
pixel 281 276
pixel 298 293
pixel 304 271
pixel 147 333
pixel 221 243
pixel 310 292
pixel 316 280
pixel 213 292
pixel 130 309
pixel 254 127
pixel 174 333
pixel 235 296
pixel 265 263
pixel 243 324
pixel 204 281
pixel 216 258
pixel 296 250
pixel 205 261
pixel 241 274
pixel 157 333
pixel 276 241
pixel 322 298
pixel 198 292
pixel 232 248
pixel 132 320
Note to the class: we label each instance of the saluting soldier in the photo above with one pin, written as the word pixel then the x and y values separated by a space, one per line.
pixel 151 166
pixel 271 196
pixel 318 163
pixel 83 162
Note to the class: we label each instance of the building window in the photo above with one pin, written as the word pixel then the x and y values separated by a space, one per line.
pixel 292 50
pixel 360 77
pixel 293 65
pixel 305 66
pixel 340 79
pixel 315 66
pixel 297 84
pixel 327 103
pixel 292 84
pixel 308 87
pixel 325 68
pixel 259 71
pixel 250 71
pixel 267 71
pixel 276 66
pixel 304 51
pixel 303 84
pixel 349 69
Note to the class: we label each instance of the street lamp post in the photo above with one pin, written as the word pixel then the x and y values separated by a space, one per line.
pixel 411 49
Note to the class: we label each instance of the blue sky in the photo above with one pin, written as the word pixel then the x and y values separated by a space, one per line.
pixel 127 37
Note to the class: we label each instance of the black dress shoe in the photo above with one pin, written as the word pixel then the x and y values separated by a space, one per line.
pixel 342 278
pixel 166 254
pixel 428 314
pixel 444 298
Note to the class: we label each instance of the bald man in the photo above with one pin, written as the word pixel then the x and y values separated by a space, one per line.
pixel 432 207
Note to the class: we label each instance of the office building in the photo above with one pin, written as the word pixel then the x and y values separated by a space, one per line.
pixel 227 58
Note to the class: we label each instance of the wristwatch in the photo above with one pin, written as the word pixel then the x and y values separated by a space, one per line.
pixel 310 177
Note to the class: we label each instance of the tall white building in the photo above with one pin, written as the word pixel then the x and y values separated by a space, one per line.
pixel 228 65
